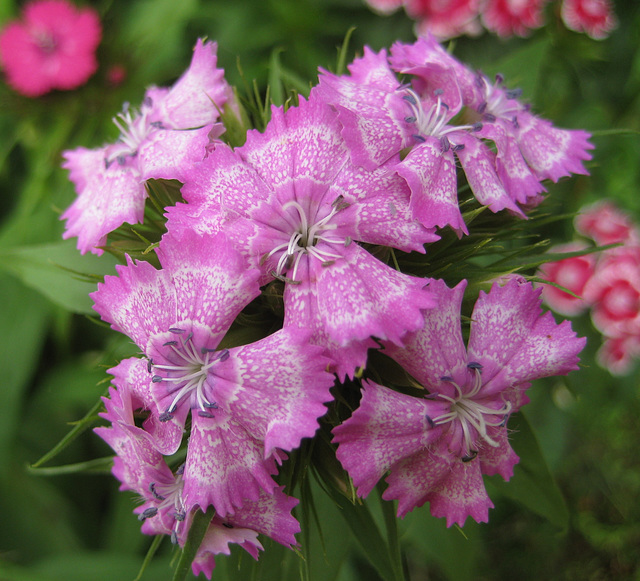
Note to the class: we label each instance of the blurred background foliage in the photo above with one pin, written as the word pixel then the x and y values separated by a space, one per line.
pixel 53 358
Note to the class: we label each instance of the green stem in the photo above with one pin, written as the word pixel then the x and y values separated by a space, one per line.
pixel 199 526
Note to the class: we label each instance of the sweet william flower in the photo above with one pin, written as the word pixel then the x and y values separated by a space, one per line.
pixel 171 130
pixel 297 209
pixel 593 17
pixel 437 447
pixel 509 17
pixel 380 118
pixel 570 273
pixel 52 47
pixel 246 403
pixel 163 509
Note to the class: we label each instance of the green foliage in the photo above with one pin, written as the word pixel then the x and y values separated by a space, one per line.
pixel 569 512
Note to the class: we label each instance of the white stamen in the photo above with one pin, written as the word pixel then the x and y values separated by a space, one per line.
pixel 471 414
pixel 304 239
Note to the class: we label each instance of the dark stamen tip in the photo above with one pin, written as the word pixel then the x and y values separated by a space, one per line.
pixel 224 355
pixel 148 513
pixel 205 414
pixel 157 379
pixel 152 489
pixel 176 331
pixel 446 378
pixel 174 538
pixel 179 516
pixel 209 405
pixel 482 108
pixel 227 525
pixel 458 147
pixel 410 119
pixel 489 118
pixel 445 144
pixel 410 99
pixel 472 454
pixel 474 365
pixel 477 126
pixel 328 263
pixel 205 350
pixel 430 421
pixel 419 138
pixel 169 343
pixel 165 416
pixel 438 92
pixel 514 93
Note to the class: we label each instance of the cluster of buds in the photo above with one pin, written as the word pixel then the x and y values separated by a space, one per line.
pixel 296 230
pixel 607 283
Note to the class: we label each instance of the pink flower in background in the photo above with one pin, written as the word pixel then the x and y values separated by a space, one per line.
pixel 593 17
pixel 52 48
pixel 445 18
pixel 606 224
pixel 509 17
pixel 609 283
pixel 450 18
pixel 571 273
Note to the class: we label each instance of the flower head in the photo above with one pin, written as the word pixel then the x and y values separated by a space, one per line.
pixel 593 17
pixel 53 47
pixel 171 130
pixel 296 208
pixel 246 403
pixel 443 442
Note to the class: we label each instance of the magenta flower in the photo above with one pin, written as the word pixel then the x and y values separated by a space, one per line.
pixel 246 403
pixel 164 510
pixel 170 131
pixel 52 48
pixel 380 118
pixel 437 447
pixel 296 207
pixel 593 17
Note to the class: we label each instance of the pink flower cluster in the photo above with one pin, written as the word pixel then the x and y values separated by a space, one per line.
pixel 607 284
pixel 53 47
pixel 307 211
pixel 451 18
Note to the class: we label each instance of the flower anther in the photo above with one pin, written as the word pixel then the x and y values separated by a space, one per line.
pixel 188 372
pixel 471 415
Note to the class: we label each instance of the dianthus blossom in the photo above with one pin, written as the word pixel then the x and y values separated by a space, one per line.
pixel 171 130
pixel 52 47
pixel 436 448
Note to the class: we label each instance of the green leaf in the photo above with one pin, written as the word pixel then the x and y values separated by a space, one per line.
pixel 87 421
pixel 59 272
pixel 532 483
pixel 453 551
pixel 375 546
pixel 24 318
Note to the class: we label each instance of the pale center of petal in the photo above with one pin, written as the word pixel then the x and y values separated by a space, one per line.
pixel 187 373
pixel 472 417
pixel 307 234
